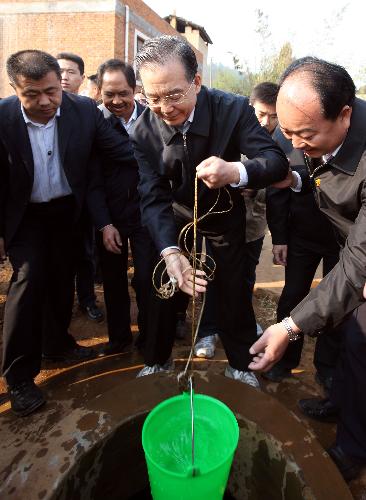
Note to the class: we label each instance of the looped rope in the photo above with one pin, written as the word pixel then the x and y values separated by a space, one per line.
pixel 198 261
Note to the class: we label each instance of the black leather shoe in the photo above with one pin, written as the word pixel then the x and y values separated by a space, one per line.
pixel 319 409
pixel 77 353
pixel 324 381
pixel 347 466
pixel 117 347
pixel 25 398
pixel 277 374
pixel 93 312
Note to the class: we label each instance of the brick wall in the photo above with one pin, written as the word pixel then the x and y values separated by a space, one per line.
pixel 87 34
pixel 94 29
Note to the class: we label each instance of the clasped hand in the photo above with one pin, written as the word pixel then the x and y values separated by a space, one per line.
pixel 216 173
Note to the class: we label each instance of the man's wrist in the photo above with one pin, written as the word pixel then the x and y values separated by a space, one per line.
pixel 293 332
pixel 105 227
pixel 242 178
pixel 170 251
pixel 296 184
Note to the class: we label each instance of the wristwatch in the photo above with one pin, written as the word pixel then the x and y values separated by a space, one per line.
pixel 290 332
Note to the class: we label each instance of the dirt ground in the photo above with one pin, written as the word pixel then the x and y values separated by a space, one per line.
pixel 302 383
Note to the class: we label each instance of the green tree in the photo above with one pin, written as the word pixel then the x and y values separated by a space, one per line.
pixel 273 66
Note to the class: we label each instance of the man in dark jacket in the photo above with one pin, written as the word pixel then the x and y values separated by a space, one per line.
pixel 318 111
pixel 48 144
pixel 117 83
pixel 190 129
pixel 302 237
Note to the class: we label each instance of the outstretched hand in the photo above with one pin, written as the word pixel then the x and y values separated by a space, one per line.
pixel 269 348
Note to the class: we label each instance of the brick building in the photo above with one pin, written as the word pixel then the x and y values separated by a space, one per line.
pixel 196 36
pixel 95 29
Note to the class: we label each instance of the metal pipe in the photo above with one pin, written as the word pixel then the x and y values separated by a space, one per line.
pixel 127 23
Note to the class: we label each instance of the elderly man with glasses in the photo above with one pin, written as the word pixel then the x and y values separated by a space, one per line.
pixel 189 129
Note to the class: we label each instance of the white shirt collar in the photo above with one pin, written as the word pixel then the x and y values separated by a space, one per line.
pixel 185 127
pixel 191 116
pixel 332 155
pixel 28 120
pixel 132 118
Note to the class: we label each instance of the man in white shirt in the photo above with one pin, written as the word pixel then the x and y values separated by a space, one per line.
pixel 48 141
pixel 117 86
pixel 117 83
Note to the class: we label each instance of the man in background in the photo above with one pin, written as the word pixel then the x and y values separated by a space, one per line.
pixel 92 89
pixel 117 83
pixel 263 99
pixel 318 111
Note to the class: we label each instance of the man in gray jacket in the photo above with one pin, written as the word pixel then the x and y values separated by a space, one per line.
pixel 318 111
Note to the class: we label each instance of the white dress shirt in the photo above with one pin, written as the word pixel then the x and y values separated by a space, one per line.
pixel 131 121
pixel 49 180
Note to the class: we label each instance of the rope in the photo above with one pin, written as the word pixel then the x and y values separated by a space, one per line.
pixel 166 288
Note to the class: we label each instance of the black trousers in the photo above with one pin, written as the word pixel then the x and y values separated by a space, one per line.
pixel 85 268
pixel 299 273
pixel 209 320
pixel 235 312
pixel 253 251
pixel 115 282
pixel 349 386
pixel 40 298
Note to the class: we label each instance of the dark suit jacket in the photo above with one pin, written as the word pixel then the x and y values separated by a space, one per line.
pixel 224 125
pixel 340 190
pixel 296 215
pixel 120 184
pixel 82 131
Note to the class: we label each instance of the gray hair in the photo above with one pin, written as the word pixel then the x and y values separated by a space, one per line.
pixel 158 51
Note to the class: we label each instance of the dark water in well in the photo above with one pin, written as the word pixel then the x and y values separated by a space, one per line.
pixel 146 495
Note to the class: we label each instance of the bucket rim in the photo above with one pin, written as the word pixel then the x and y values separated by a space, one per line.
pixel 179 397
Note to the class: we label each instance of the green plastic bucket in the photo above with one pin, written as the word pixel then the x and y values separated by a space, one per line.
pixel 167 442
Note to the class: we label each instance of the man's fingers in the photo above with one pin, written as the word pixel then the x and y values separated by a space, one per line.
pixel 118 239
pixel 112 246
pixel 258 346
pixel 261 364
pixel 198 281
pixel 187 288
pixel 205 163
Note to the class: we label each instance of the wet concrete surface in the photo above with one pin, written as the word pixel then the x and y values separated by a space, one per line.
pixel 78 444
